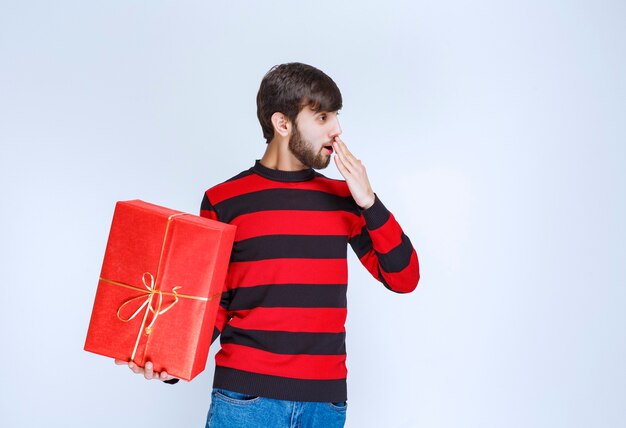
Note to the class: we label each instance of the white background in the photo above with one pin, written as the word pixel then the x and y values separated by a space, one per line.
pixel 493 130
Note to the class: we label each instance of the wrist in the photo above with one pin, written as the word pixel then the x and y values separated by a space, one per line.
pixel 369 203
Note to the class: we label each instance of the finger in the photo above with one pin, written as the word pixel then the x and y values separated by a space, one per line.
pixel 134 368
pixel 341 167
pixel 350 161
pixel 344 149
pixel 148 373
pixel 339 147
pixel 342 157
pixel 121 362
pixel 165 376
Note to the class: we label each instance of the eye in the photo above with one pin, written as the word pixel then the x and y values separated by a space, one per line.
pixel 322 117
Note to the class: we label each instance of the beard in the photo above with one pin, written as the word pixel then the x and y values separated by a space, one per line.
pixel 303 151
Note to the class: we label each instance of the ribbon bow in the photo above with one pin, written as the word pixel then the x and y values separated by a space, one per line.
pixel 148 294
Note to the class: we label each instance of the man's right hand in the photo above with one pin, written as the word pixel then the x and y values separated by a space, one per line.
pixel 147 372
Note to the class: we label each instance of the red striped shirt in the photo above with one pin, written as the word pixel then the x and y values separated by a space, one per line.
pixel 283 310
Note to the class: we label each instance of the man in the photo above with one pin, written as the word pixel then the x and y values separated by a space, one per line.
pixel 282 314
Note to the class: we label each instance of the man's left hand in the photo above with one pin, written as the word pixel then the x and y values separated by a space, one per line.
pixel 354 172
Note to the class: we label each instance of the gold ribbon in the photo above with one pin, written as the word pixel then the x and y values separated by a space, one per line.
pixel 150 283
pixel 148 296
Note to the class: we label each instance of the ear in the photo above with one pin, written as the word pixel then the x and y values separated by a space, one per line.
pixel 282 125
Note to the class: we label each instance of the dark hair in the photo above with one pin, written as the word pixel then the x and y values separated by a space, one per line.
pixel 288 88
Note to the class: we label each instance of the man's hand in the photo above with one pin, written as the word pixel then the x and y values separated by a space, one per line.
pixel 354 172
pixel 147 372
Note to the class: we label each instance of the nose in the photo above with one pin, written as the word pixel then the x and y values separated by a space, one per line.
pixel 336 128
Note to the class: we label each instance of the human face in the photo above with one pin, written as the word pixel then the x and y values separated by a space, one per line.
pixel 312 137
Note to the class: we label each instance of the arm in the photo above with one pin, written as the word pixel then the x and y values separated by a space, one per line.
pixel 385 251
pixel 207 210
pixel 377 238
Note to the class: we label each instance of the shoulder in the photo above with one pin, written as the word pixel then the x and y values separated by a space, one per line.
pixel 231 181
pixel 234 178
pixel 231 187
pixel 331 185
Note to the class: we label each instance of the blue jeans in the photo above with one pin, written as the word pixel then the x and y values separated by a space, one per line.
pixel 234 410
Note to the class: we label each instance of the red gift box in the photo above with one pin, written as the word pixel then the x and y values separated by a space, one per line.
pixel 159 289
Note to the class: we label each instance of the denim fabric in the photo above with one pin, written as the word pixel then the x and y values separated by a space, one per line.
pixel 235 410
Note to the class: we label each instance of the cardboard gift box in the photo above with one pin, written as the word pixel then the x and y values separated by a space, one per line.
pixel 159 289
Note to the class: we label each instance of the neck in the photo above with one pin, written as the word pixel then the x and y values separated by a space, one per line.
pixel 278 156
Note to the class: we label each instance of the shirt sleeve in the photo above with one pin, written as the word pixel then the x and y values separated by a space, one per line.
pixel 208 211
pixel 386 252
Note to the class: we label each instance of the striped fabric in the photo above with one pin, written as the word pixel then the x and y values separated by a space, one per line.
pixel 282 314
